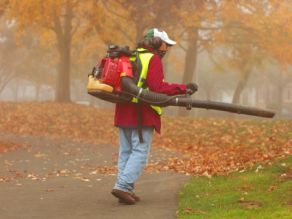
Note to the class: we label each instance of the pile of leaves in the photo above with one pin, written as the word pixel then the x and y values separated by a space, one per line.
pixel 6 146
pixel 58 120
pixel 197 146
pixel 221 146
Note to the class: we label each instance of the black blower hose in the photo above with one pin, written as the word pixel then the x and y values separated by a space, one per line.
pixel 130 90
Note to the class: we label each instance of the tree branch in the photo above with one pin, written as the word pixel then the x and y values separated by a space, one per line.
pixel 113 12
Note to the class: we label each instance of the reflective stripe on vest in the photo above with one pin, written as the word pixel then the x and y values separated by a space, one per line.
pixel 145 59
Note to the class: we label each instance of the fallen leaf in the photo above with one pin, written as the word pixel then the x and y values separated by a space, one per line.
pixel 272 188
pixel 250 204
pixel 84 179
pixel 40 155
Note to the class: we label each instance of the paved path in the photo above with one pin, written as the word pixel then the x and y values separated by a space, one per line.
pixel 57 179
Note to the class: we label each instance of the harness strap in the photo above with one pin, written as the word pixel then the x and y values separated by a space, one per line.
pixel 139 115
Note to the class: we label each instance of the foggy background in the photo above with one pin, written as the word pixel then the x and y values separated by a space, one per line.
pixel 236 51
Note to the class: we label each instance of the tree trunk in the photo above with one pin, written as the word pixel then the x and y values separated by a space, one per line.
pixel 279 99
pixel 63 78
pixel 240 86
pixel 64 48
pixel 191 57
pixel 14 87
pixel 37 91
pixel 165 62
pixel 190 63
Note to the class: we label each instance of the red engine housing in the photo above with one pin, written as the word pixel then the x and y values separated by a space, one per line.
pixel 113 69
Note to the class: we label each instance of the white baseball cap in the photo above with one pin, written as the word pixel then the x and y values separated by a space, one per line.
pixel 154 32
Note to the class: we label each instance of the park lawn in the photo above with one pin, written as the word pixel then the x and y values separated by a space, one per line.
pixel 263 192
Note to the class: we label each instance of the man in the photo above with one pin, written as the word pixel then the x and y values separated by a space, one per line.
pixel 136 121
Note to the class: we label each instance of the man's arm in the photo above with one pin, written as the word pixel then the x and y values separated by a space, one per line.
pixel 155 79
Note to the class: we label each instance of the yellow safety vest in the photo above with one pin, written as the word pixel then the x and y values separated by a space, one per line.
pixel 145 58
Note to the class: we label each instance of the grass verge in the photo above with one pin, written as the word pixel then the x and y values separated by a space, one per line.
pixel 263 192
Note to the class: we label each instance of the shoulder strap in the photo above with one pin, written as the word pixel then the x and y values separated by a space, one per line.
pixel 137 64
pixel 137 67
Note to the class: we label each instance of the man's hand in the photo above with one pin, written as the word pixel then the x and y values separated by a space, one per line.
pixel 191 88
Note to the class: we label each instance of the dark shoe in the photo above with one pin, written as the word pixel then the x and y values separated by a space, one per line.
pixel 124 197
pixel 135 197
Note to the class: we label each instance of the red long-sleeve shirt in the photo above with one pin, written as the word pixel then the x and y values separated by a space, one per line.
pixel 126 113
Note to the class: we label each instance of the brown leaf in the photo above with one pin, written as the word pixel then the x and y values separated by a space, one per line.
pixel 250 204
pixel 272 188
pixel 194 211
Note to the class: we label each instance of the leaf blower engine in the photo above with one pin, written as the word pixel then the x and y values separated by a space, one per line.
pixel 115 77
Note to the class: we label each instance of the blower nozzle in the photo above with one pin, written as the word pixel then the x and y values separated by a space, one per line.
pixel 131 90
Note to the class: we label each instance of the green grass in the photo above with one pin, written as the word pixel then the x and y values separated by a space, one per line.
pixel 266 193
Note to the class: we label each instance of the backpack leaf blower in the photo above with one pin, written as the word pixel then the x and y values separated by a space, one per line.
pixel 112 80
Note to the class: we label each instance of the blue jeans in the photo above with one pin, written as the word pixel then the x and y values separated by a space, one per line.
pixel 133 156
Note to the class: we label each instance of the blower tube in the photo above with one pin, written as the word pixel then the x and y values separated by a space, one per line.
pixel 131 90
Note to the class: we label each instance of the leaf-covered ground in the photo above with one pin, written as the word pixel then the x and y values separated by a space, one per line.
pixel 201 146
